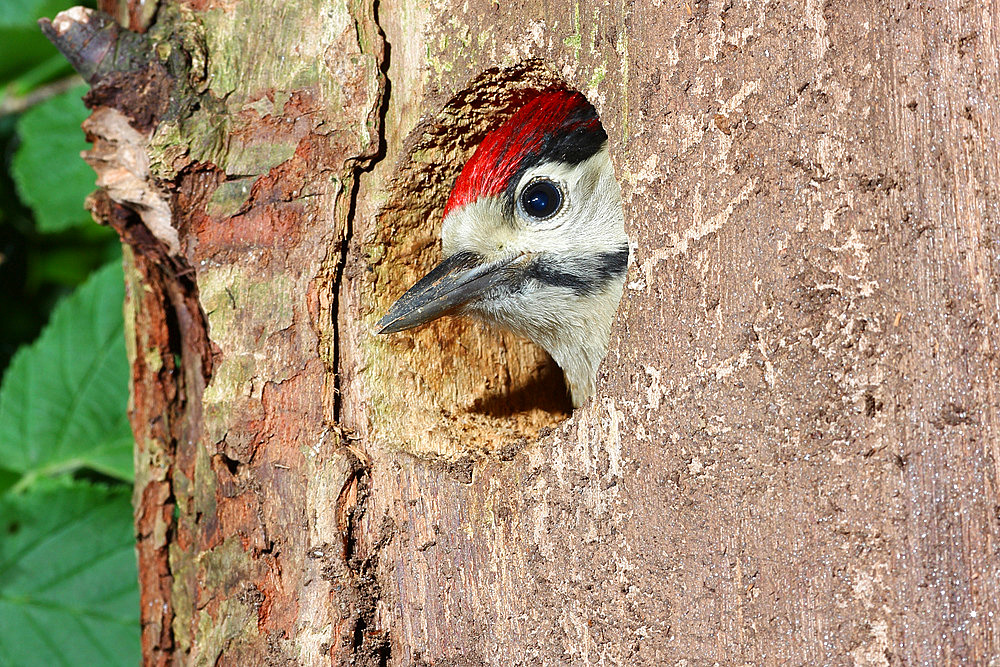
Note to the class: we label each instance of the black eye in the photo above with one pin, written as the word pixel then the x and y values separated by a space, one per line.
pixel 541 199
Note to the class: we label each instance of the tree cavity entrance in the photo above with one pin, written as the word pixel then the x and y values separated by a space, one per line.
pixel 455 387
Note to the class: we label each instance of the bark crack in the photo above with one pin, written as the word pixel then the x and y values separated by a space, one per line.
pixel 370 32
pixel 369 645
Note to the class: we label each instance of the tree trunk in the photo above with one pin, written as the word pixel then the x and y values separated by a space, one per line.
pixel 792 456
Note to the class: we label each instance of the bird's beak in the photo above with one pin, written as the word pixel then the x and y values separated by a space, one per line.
pixel 451 284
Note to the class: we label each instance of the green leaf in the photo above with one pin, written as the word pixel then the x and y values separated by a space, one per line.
pixel 50 175
pixel 53 67
pixel 8 478
pixel 24 44
pixel 64 397
pixel 71 262
pixel 69 591
pixel 24 13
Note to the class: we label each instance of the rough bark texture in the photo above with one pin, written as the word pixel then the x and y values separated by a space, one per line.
pixel 792 457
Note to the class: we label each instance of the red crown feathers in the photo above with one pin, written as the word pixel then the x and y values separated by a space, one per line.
pixel 526 134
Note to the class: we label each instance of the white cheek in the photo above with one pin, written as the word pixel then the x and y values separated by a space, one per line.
pixel 478 227
pixel 591 216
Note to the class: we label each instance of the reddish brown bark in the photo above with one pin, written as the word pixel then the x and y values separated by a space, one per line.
pixel 793 453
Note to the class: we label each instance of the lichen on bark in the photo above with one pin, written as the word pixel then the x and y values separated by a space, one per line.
pixel 797 418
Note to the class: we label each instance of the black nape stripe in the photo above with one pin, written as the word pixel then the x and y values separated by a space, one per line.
pixel 573 147
pixel 584 274
pixel 581 137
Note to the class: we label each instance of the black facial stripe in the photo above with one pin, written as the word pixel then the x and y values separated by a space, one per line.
pixel 584 275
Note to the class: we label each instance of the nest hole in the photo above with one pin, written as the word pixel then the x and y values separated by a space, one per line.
pixel 454 387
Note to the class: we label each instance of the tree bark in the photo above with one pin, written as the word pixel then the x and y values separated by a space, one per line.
pixel 792 456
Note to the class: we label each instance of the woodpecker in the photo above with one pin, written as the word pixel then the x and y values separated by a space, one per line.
pixel 533 238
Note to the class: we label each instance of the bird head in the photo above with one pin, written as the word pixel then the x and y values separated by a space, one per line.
pixel 533 238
